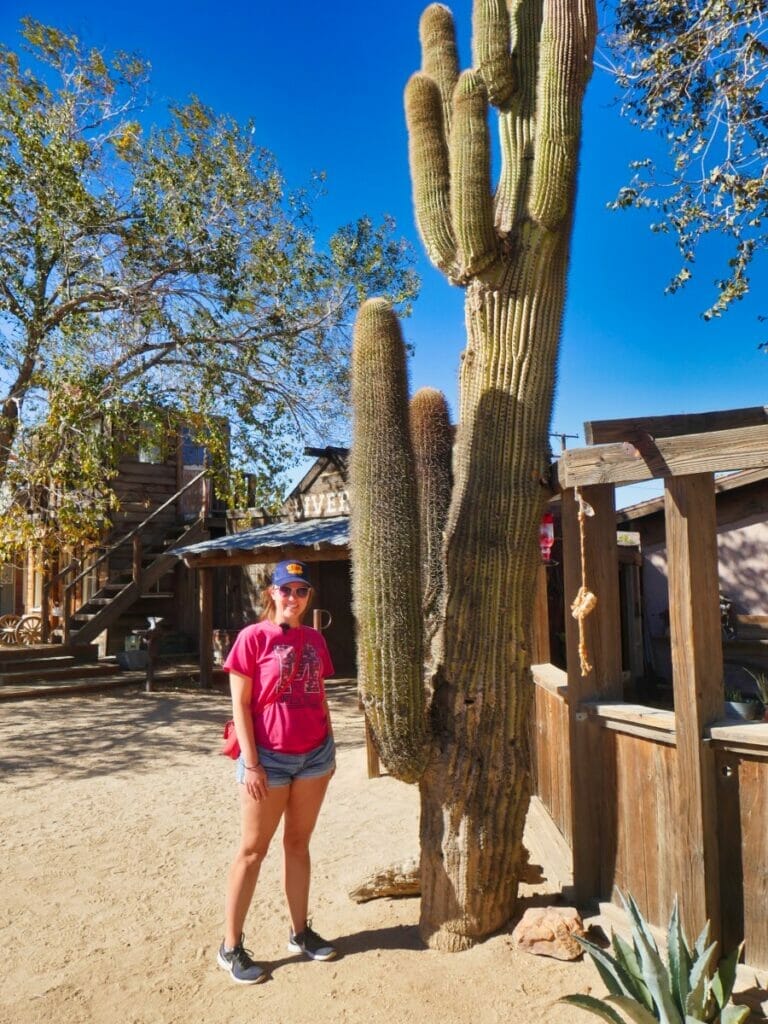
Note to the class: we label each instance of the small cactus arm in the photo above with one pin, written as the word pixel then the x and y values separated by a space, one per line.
pixel 509 250
pixel 385 539
pixel 432 438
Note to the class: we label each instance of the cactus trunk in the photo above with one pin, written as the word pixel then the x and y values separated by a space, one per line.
pixel 509 250
pixel 476 790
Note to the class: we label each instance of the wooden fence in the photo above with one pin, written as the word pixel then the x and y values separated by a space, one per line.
pixel 660 803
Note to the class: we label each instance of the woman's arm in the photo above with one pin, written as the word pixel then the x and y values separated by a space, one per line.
pixel 241 688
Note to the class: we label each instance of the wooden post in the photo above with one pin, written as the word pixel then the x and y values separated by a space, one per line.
pixel 603 643
pixel 136 562
pixel 540 652
pixel 371 754
pixel 66 611
pixel 45 606
pixel 205 577
pixel 697 669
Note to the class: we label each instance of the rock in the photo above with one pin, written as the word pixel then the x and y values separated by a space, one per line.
pixel 549 931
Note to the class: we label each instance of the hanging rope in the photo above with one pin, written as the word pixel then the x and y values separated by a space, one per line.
pixel 585 600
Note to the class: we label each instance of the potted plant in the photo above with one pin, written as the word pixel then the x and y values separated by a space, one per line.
pixel 741 705
pixel 761 682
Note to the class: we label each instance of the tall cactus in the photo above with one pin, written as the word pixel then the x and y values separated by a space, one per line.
pixel 457 719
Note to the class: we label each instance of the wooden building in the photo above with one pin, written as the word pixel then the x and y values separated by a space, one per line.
pixel 102 595
pixel 313 526
pixel 741 510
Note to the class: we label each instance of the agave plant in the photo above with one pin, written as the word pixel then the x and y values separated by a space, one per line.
pixel 646 990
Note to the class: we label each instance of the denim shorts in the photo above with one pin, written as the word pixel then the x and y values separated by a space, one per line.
pixel 282 768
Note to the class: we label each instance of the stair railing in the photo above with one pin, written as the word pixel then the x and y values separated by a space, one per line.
pixel 133 536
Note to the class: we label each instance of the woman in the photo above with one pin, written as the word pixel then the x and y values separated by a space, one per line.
pixel 287 757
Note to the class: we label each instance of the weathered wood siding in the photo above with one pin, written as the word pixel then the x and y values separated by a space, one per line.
pixel 742 786
pixel 634 772
pixel 550 753
pixel 638 778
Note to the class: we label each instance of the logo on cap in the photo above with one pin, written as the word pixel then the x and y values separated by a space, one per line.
pixel 294 569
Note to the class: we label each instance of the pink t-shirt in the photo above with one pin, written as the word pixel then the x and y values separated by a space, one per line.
pixel 287 702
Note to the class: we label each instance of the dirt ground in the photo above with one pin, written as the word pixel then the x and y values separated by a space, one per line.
pixel 118 823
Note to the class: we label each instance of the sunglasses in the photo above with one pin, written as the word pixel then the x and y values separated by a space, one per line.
pixel 293 591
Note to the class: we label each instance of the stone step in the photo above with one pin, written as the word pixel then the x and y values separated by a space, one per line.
pixel 26 691
pixel 36 663
pixel 33 677
pixel 184 673
pixel 81 652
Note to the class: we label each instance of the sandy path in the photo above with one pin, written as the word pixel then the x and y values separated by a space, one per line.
pixel 118 823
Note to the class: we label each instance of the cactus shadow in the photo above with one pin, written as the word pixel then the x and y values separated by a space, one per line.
pixel 397 937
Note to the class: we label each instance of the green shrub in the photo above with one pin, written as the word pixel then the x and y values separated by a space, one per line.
pixel 646 990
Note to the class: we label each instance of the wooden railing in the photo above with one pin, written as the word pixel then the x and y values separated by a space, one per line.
pixel 134 536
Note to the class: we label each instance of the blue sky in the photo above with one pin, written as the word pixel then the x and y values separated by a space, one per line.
pixel 324 86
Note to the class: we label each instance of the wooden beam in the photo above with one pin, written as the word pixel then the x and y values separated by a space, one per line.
pixel 665 457
pixel 540 652
pixel 697 670
pixel 602 633
pixel 261 556
pixel 607 431
pixel 205 579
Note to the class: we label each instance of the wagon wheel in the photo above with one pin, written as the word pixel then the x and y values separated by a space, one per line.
pixel 29 630
pixel 8 625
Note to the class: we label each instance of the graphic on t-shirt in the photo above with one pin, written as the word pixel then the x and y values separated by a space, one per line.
pixel 302 688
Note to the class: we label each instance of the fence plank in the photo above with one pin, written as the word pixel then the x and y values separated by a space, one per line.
pixel 603 641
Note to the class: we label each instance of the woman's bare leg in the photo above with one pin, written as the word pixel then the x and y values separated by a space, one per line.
pixel 301 812
pixel 259 819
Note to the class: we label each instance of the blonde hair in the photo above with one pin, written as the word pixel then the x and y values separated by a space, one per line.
pixel 269 609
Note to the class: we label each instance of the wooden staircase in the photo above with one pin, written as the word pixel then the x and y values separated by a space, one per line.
pixel 135 563
pixel 115 597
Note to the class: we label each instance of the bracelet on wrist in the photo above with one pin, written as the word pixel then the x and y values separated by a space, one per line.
pixel 252 767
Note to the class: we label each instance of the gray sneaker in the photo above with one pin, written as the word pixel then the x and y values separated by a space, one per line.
pixel 312 945
pixel 240 965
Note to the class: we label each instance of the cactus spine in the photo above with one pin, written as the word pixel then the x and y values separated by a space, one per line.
pixel 509 250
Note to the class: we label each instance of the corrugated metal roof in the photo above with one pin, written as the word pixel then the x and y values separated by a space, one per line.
pixel 327 532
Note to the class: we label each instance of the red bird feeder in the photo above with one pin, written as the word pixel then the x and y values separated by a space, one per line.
pixel 546 536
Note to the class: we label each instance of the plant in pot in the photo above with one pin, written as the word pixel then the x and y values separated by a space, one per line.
pixel 761 682
pixel 741 705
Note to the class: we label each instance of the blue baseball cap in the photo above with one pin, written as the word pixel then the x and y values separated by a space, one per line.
pixel 290 571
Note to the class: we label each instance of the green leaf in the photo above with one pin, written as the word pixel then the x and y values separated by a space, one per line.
pixel 702 941
pixel 654 971
pixel 613 975
pixel 679 959
pixel 698 997
pixel 637 1013
pixel 734 1014
pixel 592 1005
pixel 627 958
pixel 725 976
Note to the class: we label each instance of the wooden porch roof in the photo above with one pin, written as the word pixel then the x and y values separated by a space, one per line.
pixel 310 540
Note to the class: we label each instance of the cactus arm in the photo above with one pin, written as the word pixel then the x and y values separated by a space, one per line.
pixel 385 540
pixel 470 166
pixel 567 39
pixel 439 56
pixel 516 122
pixel 432 438
pixel 428 155
pixel 491 52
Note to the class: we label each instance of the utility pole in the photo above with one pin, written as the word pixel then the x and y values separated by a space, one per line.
pixel 563 438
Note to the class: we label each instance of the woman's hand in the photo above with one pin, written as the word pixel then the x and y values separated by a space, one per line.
pixel 256 782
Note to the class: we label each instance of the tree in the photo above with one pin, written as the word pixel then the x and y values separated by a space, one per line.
pixel 445 679
pixel 697 74
pixel 154 268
